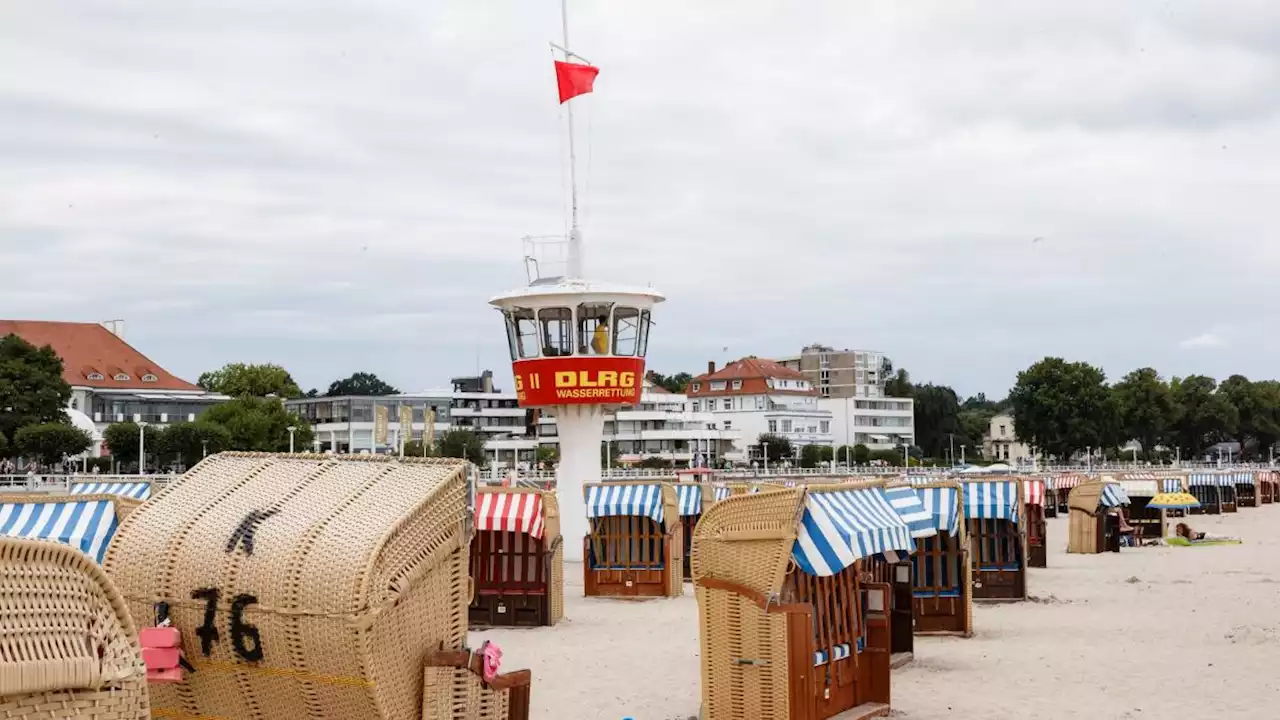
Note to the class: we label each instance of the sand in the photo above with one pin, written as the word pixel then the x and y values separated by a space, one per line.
pixel 1149 633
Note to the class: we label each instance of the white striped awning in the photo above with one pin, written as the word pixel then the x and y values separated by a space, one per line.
pixel 689 496
pixel 1140 487
pixel 515 512
pixel 135 490
pixel 1243 478
pixel 842 526
pixel 907 503
pixel 87 526
pixel 1112 496
pixel 1033 492
pixel 625 500
pixel 1171 484
pixel 722 492
pixel 991 500
pixel 1210 479
pixel 943 503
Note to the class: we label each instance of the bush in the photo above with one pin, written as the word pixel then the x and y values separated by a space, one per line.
pixel 861 454
pixel 888 457
pixel 51 442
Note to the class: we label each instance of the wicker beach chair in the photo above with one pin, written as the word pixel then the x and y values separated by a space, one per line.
pixel 692 498
pixel 785 633
pixel 69 648
pixel 1268 487
pixel 633 546
pixel 1093 528
pixel 517 558
pixel 1037 529
pixel 312 586
pixel 1140 487
pixel 1246 486
pixel 997 538
pixel 941 574
pixel 1211 489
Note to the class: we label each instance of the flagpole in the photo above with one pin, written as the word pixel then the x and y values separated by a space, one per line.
pixel 574 259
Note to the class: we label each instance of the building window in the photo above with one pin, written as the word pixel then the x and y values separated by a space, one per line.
pixel 728 424
pixel 697 387
pixel 826 391
pixel 149 378
pixel 526 333
pixel 786 426
pixel 759 402
pixel 728 404
pixel 121 377
pixel 737 384
pixel 557 331
pixel 717 385
pixel 773 426
pixel 826 426
pixel 1001 431
pixel 95 376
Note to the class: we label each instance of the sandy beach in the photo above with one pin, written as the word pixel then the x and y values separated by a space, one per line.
pixel 1147 633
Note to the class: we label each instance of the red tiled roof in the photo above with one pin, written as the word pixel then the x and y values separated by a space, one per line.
pixel 88 348
pixel 752 367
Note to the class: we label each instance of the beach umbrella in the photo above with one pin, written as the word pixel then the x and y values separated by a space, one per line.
pixel 1174 501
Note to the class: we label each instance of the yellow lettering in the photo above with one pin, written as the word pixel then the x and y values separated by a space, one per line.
pixel 519 384
pixel 608 378
pixel 628 380
pixel 584 380
pixel 566 378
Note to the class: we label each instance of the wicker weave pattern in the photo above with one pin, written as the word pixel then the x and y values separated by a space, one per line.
pixel 551 529
pixel 359 572
pixel 747 539
pixel 733 628
pixel 68 647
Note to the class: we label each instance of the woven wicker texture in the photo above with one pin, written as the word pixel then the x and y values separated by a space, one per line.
pixel 455 694
pixel 747 539
pixel 733 627
pixel 357 566
pixel 68 647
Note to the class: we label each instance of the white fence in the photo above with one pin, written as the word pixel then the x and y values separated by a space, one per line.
pixel 56 484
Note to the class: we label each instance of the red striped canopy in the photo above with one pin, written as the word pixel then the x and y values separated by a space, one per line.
pixel 1066 482
pixel 1034 491
pixel 516 512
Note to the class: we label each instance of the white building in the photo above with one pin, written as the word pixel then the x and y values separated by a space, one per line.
pixel 839 373
pixel 756 396
pixel 663 426
pixel 879 423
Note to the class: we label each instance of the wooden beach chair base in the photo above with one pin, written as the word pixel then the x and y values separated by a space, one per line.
pixel 455 690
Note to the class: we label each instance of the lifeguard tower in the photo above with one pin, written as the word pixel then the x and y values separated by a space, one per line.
pixel 577 352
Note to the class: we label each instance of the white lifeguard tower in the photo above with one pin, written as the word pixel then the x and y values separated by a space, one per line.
pixel 577 345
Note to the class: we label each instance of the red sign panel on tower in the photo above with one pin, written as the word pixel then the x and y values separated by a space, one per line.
pixel 579 381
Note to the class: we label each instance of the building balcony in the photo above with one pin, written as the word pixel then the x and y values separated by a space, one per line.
pixel 487 412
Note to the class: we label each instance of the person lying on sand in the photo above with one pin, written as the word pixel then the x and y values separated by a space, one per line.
pixel 1184 531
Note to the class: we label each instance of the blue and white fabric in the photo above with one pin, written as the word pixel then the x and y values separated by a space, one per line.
pixel 625 501
pixel 943 504
pixel 721 492
pixel 1210 479
pixel 840 527
pixel 1112 496
pixel 690 499
pixel 991 500
pixel 87 526
pixel 1171 485
pixel 1242 478
pixel 135 490
pixel 906 502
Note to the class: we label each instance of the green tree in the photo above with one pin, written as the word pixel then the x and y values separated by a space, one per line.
pixel 32 390
pixel 460 443
pixel 122 441
pixel 239 380
pixel 937 410
pixel 779 447
pixel 846 454
pixel 1146 408
pixel 188 442
pixel 1204 417
pixel 4 446
pixel 51 442
pixel 899 384
pixel 361 383
pixel 677 383
pixel 861 454
pixel 547 454
pixel 973 426
pixel 1256 413
pixel 1266 425
pixel 812 456
pixel 609 453
pixel 414 448
pixel 889 457
pixel 1062 407
pixel 259 424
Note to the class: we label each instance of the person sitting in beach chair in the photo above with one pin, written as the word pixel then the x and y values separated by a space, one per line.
pixel 1129 535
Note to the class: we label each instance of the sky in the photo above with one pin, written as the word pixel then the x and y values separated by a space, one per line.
pixel 341 185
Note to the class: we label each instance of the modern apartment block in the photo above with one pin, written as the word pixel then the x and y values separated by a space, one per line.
pixel 839 373
pixel 879 423
pixel 757 396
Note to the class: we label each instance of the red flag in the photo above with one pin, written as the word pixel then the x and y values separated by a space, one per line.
pixel 574 79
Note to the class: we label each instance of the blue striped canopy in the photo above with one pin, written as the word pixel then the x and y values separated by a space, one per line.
pixel 722 492
pixel 87 526
pixel 135 490
pixel 1242 478
pixel 689 496
pixel 1210 479
pixel 1112 496
pixel 906 502
pixel 842 526
pixel 1171 485
pixel 943 504
pixel 991 500
pixel 625 500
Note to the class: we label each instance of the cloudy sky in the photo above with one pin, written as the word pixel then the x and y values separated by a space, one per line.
pixel 340 185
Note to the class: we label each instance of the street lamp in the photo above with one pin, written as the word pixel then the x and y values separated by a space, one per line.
pixel 291 429
pixel 142 447
pixel 962 447
pixel 765 453
pixel 204 448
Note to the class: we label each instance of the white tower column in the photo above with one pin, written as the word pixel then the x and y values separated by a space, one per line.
pixel 581 430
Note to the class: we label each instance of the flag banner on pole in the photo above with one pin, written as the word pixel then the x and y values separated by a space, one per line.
pixel 380 424
pixel 574 79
